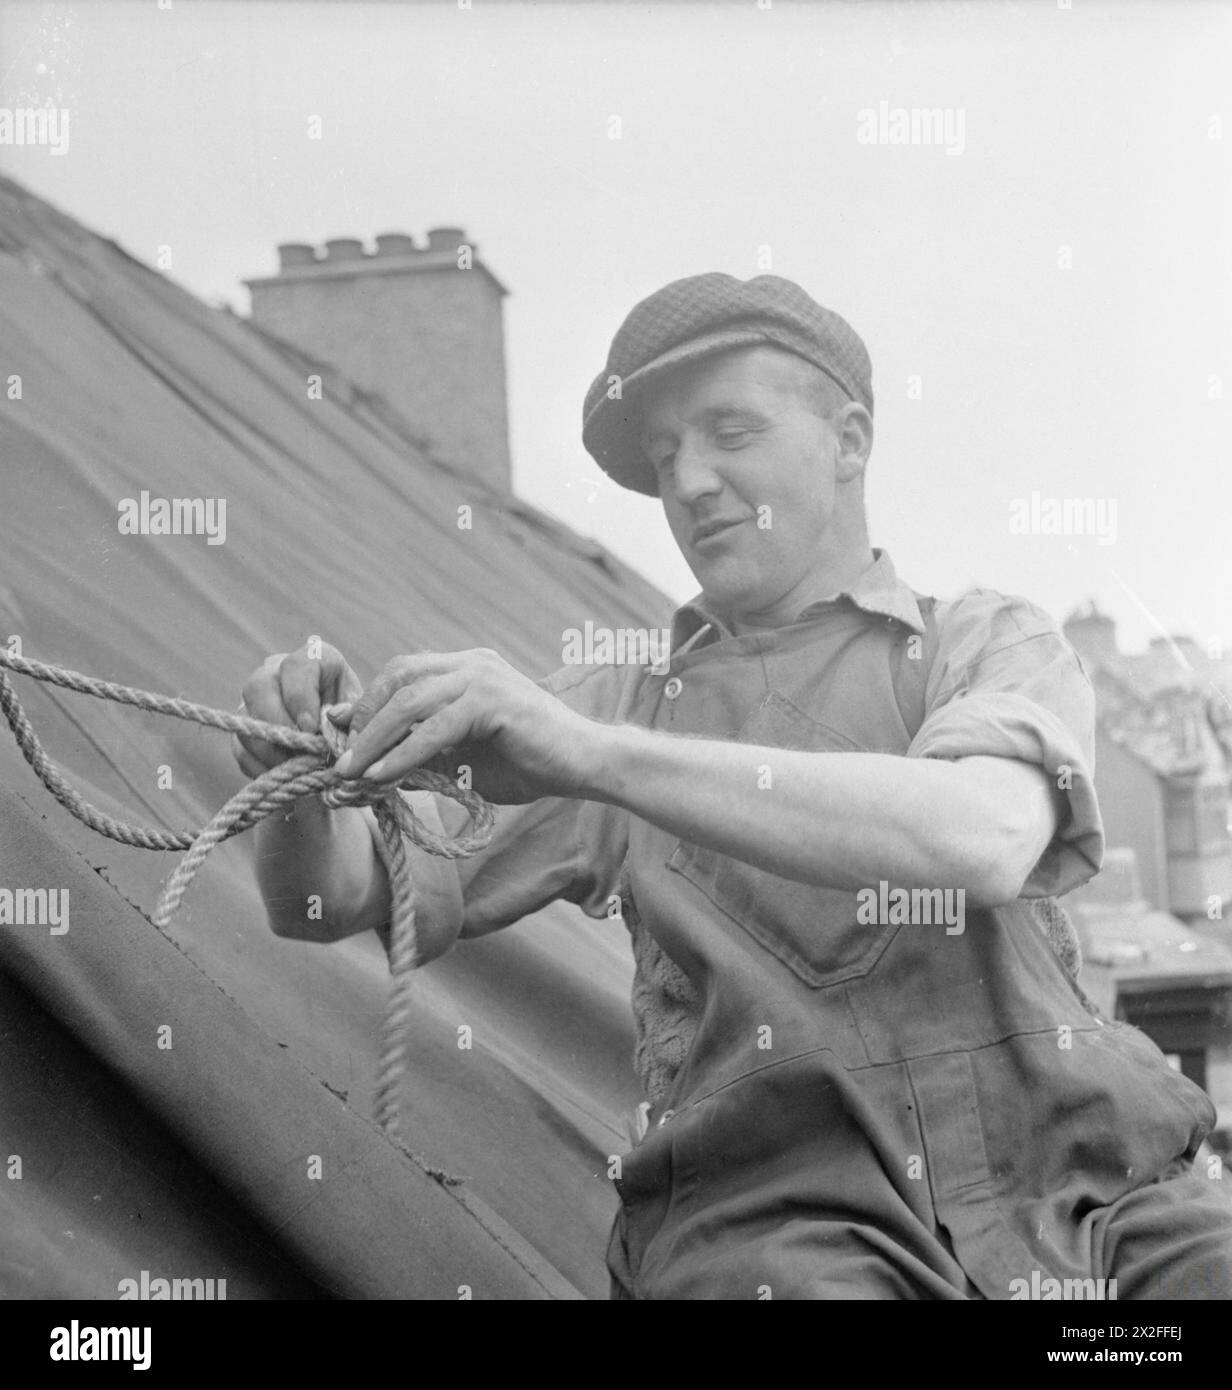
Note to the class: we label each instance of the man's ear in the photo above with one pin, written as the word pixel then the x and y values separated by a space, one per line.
pixel 853 427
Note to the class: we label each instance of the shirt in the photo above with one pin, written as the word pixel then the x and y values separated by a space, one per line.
pixel 1002 682
pixel 949 1100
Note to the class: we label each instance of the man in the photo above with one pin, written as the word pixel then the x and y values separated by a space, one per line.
pixel 848 1098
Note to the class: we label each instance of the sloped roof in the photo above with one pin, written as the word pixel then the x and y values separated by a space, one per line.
pixel 338 523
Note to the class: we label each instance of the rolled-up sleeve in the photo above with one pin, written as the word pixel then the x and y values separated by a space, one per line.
pixel 1005 683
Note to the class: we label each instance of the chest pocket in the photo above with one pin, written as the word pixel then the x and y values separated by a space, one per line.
pixel 813 931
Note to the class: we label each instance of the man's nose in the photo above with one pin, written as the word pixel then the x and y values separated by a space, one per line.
pixel 693 472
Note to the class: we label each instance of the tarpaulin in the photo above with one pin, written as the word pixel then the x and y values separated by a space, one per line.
pixel 340 524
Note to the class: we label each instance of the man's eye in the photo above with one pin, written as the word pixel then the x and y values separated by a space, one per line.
pixel 731 439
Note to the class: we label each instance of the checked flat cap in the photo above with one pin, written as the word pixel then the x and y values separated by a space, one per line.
pixel 695 318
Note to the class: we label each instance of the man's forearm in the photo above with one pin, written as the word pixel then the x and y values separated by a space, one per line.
pixel 843 820
pixel 315 853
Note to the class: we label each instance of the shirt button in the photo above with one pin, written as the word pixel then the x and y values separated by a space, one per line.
pixel 666 1115
pixel 673 687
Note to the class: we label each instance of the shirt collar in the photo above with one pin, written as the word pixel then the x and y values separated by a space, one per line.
pixel 877 590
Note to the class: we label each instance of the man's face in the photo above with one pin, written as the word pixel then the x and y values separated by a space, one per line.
pixel 746 469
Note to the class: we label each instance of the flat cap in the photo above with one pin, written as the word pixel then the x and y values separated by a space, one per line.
pixel 695 318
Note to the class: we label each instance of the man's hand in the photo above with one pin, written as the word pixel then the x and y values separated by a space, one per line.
pixel 290 689
pixel 315 853
pixel 446 709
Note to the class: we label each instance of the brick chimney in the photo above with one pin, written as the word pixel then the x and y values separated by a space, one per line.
pixel 1092 634
pixel 419 325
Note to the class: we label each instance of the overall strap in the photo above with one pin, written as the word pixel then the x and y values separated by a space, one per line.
pixel 911 661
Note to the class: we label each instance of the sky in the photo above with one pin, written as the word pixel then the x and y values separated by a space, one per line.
pixel 1046 294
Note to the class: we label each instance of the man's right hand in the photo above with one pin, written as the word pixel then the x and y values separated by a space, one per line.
pixel 290 688
pixel 333 858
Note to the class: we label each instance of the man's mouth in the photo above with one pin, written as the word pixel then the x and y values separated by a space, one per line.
pixel 707 530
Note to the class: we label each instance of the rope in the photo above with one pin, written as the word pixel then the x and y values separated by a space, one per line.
pixel 312 771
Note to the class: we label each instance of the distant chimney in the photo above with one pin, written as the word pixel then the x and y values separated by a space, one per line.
pixel 293 253
pixel 344 248
pixel 421 327
pixel 1092 634
pixel 395 244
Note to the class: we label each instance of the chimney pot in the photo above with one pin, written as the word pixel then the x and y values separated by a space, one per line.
pixel 395 244
pixel 295 253
pixel 445 238
pixel 344 248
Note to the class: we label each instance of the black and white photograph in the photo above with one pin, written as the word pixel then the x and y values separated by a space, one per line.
pixel 616 652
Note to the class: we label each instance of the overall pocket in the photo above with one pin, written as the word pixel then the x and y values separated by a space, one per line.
pixel 813 931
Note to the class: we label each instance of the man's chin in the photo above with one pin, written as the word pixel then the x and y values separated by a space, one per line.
pixel 726 587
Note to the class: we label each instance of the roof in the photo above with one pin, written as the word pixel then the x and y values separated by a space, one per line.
pixel 1148 949
pixel 1169 706
pixel 1132 952
pixel 387 264
pixel 340 523
pixel 1166 711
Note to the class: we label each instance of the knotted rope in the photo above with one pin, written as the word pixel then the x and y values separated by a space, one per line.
pixel 311 771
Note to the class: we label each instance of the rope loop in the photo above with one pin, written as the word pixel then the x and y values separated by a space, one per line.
pixel 310 771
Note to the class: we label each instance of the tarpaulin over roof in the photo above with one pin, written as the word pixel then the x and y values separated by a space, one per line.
pixel 194 1160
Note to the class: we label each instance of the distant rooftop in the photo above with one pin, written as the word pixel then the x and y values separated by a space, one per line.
pixel 1171 705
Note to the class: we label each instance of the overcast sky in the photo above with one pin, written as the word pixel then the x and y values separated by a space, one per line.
pixel 1059 285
